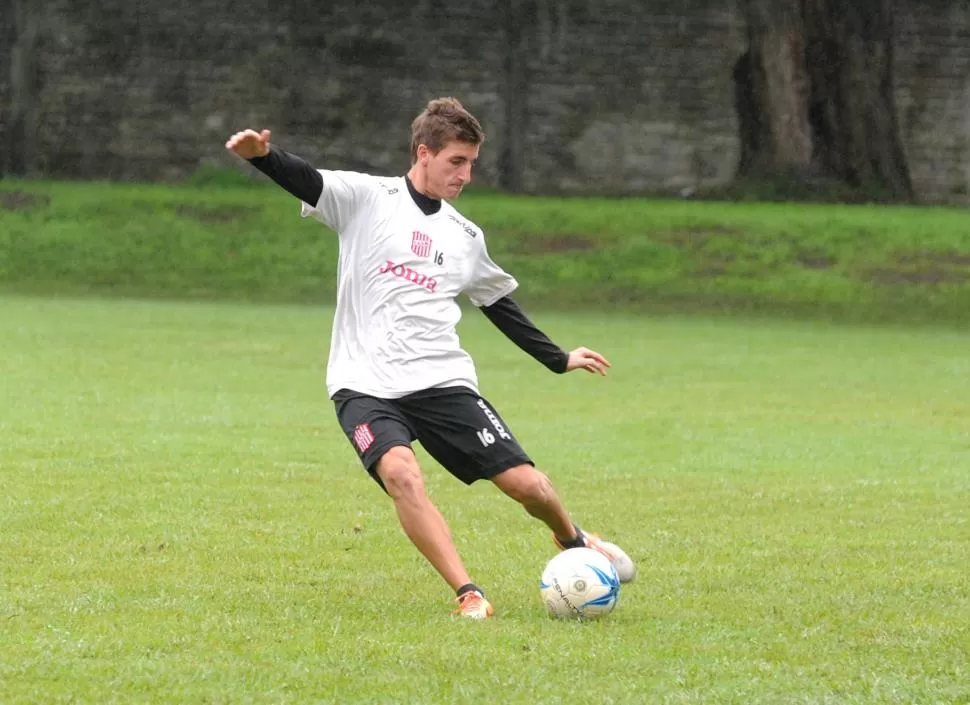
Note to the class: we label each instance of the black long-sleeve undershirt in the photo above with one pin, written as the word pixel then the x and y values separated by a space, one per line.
pixel 506 315
pixel 292 173
pixel 300 179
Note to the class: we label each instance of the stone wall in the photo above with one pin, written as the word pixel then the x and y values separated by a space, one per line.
pixel 932 75
pixel 612 96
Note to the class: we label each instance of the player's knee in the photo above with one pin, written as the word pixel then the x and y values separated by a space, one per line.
pixel 399 471
pixel 402 482
pixel 531 487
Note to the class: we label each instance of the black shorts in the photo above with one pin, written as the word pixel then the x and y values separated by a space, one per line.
pixel 457 427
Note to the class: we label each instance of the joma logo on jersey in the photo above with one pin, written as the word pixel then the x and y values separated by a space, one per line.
pixel 412 275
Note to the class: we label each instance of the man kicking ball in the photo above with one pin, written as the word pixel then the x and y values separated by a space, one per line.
pixel 397 372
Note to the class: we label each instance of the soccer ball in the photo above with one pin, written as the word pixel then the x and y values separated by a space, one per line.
pixel 580 583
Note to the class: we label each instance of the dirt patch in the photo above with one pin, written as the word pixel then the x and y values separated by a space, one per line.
pixel 697 237
pixel 710 271
pixel 708 245
pixel 922 268
pixel 215 215
pixel 933 276
pixel 537 245
pixel 815 260
pixel 950 258
pixel 22 200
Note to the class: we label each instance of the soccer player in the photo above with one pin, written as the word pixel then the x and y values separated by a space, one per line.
pixel 397 372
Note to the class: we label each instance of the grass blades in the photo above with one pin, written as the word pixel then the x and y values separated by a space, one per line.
pixel 181 519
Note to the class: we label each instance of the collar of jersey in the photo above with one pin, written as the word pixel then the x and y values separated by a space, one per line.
pixel 428 206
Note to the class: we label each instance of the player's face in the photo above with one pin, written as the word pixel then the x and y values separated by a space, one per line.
pixel 450 169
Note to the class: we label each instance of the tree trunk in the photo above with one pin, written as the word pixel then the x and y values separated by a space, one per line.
pixel 20 138
pixel 775 116
pixel 853 106
pixel 815 94
pixel 520 15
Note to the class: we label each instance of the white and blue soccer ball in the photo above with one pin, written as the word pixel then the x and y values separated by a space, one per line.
pixel 580 583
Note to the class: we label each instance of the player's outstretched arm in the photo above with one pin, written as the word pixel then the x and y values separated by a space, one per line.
pixel 509 318
pixel 288 170
pixel 506 315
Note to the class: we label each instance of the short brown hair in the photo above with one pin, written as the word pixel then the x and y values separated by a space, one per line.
pixel 444 120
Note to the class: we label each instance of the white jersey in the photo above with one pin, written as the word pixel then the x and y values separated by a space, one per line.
pixel 399 275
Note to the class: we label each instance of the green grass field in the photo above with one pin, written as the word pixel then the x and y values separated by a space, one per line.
pixel 181 520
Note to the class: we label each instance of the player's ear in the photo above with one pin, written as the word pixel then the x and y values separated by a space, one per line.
pixel 424 154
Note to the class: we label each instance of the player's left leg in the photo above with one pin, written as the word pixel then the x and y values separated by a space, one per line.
pixel 465 433
pixel 532 489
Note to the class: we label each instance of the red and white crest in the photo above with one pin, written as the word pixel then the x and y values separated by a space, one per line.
pixel 363 437
pixel 420 243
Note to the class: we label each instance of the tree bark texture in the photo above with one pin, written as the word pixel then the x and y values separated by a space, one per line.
pixel 815 93
pixel 520 16
pixel 779 87
pixel 853 106
pixel 20 142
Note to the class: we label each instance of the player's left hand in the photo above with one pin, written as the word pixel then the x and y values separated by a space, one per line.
pixel 589 360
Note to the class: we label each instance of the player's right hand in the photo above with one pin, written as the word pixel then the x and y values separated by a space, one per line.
pixel 249 144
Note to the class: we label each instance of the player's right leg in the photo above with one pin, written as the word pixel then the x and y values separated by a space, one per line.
pixel 382 438
pixel 426 527
pixel 422 522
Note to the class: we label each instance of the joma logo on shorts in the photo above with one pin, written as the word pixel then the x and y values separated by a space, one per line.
pixel 496 424
pixel 412 275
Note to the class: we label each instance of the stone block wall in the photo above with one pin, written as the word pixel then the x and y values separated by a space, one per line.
pixel 584 96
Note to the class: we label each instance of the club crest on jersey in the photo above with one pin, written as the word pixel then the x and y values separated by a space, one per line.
pixel 420 243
